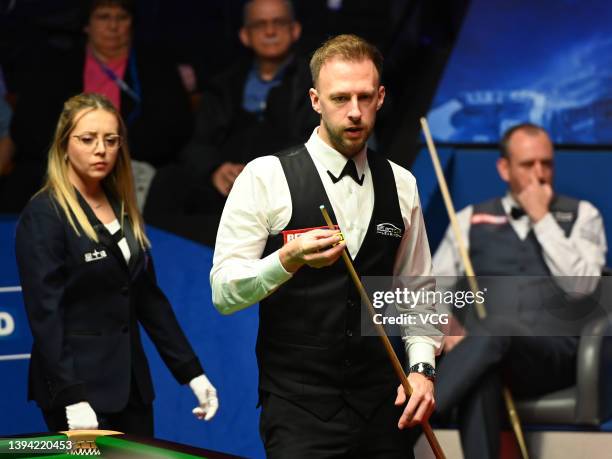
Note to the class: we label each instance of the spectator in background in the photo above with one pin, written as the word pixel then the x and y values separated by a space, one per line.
pixel 6 144
pixel 13 182
pixel 144 86
pixel 258 106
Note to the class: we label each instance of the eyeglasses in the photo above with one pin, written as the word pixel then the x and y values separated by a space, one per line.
pixel 111 142
pixel 277 23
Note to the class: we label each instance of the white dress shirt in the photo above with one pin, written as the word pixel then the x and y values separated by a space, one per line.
pixel 112 228
pixel 260 205
pixel 583 253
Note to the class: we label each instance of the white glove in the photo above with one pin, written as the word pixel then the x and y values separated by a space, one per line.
pixel 81 416
pixel 207 398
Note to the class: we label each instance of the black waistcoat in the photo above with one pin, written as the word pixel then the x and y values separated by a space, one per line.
pixel 309 348
pixel 526 294
pixel 496 250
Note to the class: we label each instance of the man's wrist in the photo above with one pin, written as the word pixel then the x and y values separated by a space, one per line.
pixel 538 215
pixel 421 351
pixel 425 369
pixel 287 260
pixel 546 224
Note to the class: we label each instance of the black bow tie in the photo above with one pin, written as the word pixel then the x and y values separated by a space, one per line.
pixel 350 169
pixel 517 212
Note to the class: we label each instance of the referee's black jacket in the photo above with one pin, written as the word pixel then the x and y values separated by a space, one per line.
pixel 84 303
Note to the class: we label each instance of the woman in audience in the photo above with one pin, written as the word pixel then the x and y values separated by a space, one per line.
pixel 143 85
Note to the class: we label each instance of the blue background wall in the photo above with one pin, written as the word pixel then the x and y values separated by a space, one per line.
pixel 225 345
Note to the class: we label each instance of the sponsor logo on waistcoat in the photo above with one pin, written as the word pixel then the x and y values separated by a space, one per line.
pixel 563 217
pixel 489 219
pixel 388 229
pixel 290 235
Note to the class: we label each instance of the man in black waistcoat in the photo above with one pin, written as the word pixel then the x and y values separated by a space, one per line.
pixel 531 236
pixel 326 390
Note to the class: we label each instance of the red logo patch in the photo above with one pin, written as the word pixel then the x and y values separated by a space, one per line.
pixel 490 219
pixel 290 235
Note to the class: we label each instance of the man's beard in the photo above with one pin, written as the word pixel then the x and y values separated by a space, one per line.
pixel 339 143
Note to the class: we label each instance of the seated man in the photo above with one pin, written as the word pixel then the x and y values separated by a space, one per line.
pixel 531 231
pixel 256 107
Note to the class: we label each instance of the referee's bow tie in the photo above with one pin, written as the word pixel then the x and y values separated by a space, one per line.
pixel 517 212
pixel 350 169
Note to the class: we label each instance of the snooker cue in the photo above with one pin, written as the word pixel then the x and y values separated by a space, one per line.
pixel 397 366
pixel 469 271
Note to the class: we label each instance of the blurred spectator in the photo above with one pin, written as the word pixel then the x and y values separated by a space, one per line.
pixel 144 86
pixel 6 145
pixel 257 106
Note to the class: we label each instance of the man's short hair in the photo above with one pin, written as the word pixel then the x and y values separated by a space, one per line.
pixel 247 6
pixel 347 47
pixel 528 128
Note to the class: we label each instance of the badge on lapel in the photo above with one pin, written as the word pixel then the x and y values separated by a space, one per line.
pixel 95 255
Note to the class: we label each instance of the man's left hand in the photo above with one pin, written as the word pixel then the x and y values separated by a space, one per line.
pixel 421 403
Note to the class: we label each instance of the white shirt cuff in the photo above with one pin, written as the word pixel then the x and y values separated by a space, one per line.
pixel 273 274
pixel 421 352
pixel 547 225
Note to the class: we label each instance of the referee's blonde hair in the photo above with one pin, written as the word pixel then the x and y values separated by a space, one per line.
pixel 119 182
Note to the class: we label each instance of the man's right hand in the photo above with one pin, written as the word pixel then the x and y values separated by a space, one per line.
pixel 314 248
pixel 535 198
pixel 223 178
